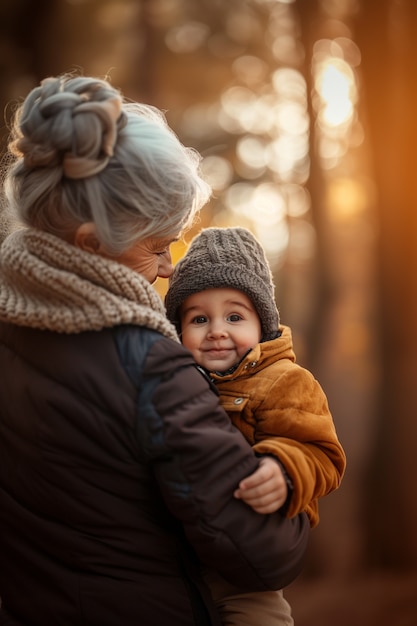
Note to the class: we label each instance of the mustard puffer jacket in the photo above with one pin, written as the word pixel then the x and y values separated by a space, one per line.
pixel 282 410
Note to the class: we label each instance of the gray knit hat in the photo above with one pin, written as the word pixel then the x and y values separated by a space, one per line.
pixel 225 257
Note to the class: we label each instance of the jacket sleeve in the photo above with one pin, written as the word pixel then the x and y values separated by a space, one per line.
pixel 294 424
pixel 198 459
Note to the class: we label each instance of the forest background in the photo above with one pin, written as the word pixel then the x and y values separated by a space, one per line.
pixel 305 113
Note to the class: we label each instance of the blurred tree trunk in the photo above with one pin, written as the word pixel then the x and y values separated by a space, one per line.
pixel 22 26
pixel 309 17
pixel 336 544
pixel 387 37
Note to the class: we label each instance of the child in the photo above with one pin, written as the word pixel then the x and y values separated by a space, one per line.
pixel 221 298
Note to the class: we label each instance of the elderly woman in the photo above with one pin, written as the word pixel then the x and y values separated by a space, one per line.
pixel 118 465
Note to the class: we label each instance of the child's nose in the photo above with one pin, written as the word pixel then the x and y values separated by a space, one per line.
pixel 217 329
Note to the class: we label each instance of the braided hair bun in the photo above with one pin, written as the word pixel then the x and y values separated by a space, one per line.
pixel 70 124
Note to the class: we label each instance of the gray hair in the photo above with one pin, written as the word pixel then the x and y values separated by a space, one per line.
pixel 82 153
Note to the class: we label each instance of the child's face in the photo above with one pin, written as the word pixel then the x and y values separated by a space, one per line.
pixel 219 326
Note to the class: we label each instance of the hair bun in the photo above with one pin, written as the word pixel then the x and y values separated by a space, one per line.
pixel 72 124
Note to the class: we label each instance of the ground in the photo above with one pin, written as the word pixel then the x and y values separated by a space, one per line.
pixel 377 599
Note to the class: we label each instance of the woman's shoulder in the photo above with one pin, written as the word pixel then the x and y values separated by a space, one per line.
pixel 141 348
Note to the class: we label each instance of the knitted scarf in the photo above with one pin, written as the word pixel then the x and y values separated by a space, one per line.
pixel 49 284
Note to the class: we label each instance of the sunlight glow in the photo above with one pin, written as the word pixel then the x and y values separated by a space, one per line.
pixel 269 204
pixel 217 171
pixel 264 206
pixel 250 69
pixel 292 118
pixel 242 110
pixel 262 177
pixel 252 152
pixel 286 155
pixel 289 84
pixel 262 203
pixel 335 84
pixel 335 99
pixel 346 198
pixel 274 240
pixel 297 198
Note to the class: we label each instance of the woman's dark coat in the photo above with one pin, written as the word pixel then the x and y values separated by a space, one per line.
pixel 115 458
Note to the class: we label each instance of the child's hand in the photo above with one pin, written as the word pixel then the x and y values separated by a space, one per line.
pixel 266 489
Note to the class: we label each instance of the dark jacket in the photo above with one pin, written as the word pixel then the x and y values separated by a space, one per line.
pixel 115 457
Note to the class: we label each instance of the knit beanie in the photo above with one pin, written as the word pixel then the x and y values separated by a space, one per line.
pixel 225 257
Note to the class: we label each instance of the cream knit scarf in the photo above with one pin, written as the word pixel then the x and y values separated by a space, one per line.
pixel 49 284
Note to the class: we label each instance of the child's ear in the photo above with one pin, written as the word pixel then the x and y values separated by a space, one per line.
pixel 85 238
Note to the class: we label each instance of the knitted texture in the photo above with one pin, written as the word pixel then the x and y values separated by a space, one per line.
pixel 49 284
pixel 225 257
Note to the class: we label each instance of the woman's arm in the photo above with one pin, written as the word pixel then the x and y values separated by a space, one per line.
pixel 198 459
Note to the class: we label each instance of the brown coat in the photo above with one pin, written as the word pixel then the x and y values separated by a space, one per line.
pixel 282 410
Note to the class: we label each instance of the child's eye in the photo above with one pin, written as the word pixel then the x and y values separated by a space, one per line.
pixel 234 317
pixel 199 319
